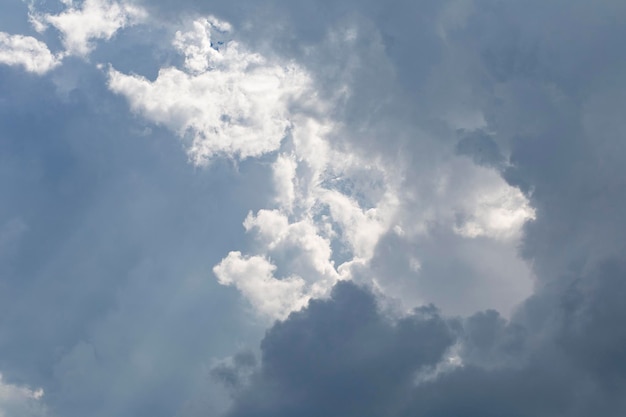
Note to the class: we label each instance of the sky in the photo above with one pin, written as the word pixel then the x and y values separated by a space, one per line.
pixel 303 208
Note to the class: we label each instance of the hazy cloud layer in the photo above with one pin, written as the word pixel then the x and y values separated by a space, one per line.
pixel 107 237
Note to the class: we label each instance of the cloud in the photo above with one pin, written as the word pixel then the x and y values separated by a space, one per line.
pixel 341 356
pixel 413 148
pixel 334 204
pixel 254 277
pixel 108 239
pixel 27 52
pixel 230 101
pixel 481 148
pixel 239 104
pixel 327 216
pixel 92 20
pixel 235 371
pixel 19 400
pixel 552 116
pixel 198 48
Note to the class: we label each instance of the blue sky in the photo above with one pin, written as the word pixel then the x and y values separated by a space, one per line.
pixel 279 208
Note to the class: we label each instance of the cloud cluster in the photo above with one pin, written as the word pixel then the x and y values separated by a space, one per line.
pixel 240 104
pixel 332 203
pixel 549 122
pixel 412 147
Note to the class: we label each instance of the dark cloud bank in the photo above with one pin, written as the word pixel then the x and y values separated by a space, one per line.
pixel 549 79
pixel 342 357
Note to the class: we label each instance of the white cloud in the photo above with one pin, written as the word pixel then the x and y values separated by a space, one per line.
pixel 198 48
pixel 254 277
pixel 472 200
pixel 20 401
pixel 308 250
pixel 285 176
pixel 362 228
pixel 332 203
pixel 27 52
pixel 499 213
pixel 230 101
pixel 331 208
pixel 81 25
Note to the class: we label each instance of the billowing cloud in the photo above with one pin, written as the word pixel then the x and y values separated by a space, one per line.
pixel 230 102
pixel 254 278
pixel 332 203
pixel 457 152
pixel 548 121
pixel 27 52
pixel 90 20
pixel 343 357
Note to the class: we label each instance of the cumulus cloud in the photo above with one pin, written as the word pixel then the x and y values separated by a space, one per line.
pixel 332 203
pixel 82 24
pixel 240 104
pixel 28 53
pixel 342 356
pixel 230 101
pixel 413 148
pixel 323 222
pixel 254 277
pixel 549 120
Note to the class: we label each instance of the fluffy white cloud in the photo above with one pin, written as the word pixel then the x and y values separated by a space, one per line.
pixel 81 25
pixel 197 46
pixel 333 203
pixel 21 401
pixel 27 52
pixel 300 246
pixel 230 101
pixel 316 219
pixel 254 277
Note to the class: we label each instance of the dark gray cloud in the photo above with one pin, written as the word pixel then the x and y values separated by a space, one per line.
pixel 343 357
